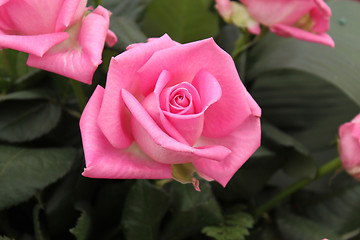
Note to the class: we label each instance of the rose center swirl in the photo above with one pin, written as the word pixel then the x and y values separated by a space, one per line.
pixel 182 99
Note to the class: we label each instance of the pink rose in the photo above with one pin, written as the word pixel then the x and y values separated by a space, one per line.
pixel 306 20
pixel 56 34
pixel 168 105
pixel 349 146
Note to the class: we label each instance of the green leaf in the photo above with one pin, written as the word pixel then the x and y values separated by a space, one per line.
pixel 298 165
pixel 144 208
pixel 228 36
pixel 27 95
pixel 5 238
pixel 257 171
pixel 235 227
pixel 24 171
pixel 82 228
pixel 339 211
pixel 335 66
pixel 299 228
pixel 14 63
pixel 183 20
pixel 27 120
pixel 192 211
pixel 131 9
pixel 128 32
pixel 294 155
pixel 302 105
pixel 5 84
pixel 279 140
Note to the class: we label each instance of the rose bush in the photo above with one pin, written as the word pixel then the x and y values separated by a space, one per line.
pixel 349 146
pixel 306 20
pixel 169 107
pixel 57 35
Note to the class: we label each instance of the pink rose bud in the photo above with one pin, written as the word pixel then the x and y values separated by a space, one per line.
pixel 224 9
pixel 349 146
pixel 306 20
pixel 57 35
pixel 169 110
pixel 237 14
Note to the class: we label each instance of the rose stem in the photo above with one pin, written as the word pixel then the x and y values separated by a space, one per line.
pixel 322 171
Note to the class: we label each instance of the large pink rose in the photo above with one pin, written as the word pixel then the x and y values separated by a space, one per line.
pixel 56 34
pixel 306 20
pixel 168 105
pixel 349 146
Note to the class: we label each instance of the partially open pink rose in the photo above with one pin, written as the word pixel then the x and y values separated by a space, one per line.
pixel 56 34
pixel 306 20
pixel 168 105
pixel 349 146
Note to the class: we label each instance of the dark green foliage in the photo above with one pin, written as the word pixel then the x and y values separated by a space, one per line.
pixel 81 230
pixel 23 171
pixel 235 227
pixel 144 208
pixel 183 20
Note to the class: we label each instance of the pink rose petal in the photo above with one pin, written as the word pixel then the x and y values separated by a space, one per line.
pixel 184 62
pixel 105 161
pixel 36 45
pixel 242 142
pixel 158 145
pixel 78 57
pixel 289 31
pixel 113 117
pixel 71 11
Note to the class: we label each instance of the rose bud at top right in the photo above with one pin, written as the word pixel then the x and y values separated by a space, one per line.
pixel 349 146
pixel 307 20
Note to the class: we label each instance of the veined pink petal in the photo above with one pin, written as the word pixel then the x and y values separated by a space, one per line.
pixel 158 145
pixel 69 63
pixel 79 56
pixel 242 142
pixel 289 31
pixel 36 44
pixel 105 161
pixel 113 119
pixel 184 62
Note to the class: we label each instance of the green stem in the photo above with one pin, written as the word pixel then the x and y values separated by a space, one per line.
pixel 79 93
pixel 322 171
pixel 244 42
